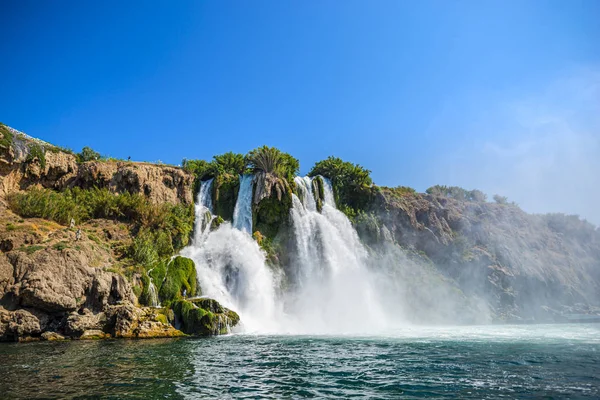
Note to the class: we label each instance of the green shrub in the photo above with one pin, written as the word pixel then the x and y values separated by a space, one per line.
pixel 60 246
pixel 351 183
pixel 457 193
pixel 87 154
pixel 229 163
pixel 31 249
pixel 6 140
pixel 173 222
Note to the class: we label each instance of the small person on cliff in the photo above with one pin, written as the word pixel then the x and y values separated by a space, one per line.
pixel 72 223
pixel 78 234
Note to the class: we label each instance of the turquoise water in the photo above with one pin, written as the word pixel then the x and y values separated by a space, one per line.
pixel 549 361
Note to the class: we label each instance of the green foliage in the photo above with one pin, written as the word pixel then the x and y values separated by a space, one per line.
pixel 87 154
pixel 274 161
pixel 204 317
pixel 225 192
pixel 457 193
pixel 224 164
pixel 352 184
pixel 180 276
pixel 37 152
pixel 229 163
pixel 500 199
pixel 270 214
pixel 7 138
pixel 201 168
pixel 167 222
pixel 31 249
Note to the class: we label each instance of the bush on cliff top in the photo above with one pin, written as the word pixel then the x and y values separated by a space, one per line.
pixel 352 184
pixel 457 193
pixel 87 154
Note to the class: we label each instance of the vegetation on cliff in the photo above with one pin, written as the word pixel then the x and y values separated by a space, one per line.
pixel 352 184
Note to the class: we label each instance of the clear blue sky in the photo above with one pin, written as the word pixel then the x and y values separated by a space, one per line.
pixel 418 92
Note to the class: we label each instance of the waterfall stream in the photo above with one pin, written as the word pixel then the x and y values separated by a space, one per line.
pixel 152 292
pixel 242 214
pixel 334 291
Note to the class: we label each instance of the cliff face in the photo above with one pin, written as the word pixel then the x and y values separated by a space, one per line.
pixel 60 170
pixel 56 285
pixel 462 259
pixel 527 267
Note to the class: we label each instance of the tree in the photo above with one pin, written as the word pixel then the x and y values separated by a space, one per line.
pixel 271 160
pixel 87 154
pixel 352 183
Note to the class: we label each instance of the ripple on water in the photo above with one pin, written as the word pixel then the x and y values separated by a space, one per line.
pixel 553 361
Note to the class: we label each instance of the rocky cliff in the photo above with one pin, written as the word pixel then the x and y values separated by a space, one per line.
pixel 22 168
pixel 455 259
pixel 526 267
pixel 56 283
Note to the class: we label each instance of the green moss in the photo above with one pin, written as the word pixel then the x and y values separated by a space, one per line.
pixel 271 214
pixel 216 222
pixel 180 277
pixel 204 317
pixel 162 319
pixel 225 192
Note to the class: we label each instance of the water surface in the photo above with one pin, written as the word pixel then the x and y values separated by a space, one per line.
pixel 552 361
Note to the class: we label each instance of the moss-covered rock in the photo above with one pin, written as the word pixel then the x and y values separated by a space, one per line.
pixel 180 278
pixel 216 222
pixel 272 213
pixel 225 192
pixel 319 192
pixel 204 317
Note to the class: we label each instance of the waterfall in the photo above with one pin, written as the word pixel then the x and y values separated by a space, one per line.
pixel 230 266
pixel 333 291
pixel 154 302
pixel 205 195
pixel 305 190
pixel 242 214
pixel 203 210
pixel 329 288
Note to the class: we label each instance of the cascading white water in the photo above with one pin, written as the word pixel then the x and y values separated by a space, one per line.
pixel 205 195
pixel 230 265
pixel 152 292
pixel 334 291
pixel 330 288
pixel 242 214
